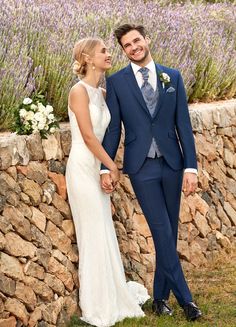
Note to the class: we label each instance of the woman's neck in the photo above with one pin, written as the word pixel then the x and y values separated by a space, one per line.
pixel 93 78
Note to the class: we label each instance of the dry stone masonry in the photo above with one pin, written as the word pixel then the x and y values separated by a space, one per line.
pixel 38 253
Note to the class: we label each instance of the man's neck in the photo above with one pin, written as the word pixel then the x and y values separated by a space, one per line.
pixel 143 63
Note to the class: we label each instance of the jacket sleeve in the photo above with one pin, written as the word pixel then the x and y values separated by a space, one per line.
pixel 184 127
pixel 113 133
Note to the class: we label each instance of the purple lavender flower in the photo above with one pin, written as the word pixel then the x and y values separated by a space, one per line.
pixel 37 38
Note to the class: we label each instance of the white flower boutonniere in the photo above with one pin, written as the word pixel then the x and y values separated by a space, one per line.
pixel 164 78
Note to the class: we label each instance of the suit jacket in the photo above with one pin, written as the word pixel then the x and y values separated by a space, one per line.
pixel 170 125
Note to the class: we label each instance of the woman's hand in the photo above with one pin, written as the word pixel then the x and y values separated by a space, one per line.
pixel 106 183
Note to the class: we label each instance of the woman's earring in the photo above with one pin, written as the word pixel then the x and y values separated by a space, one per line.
pixel 93 67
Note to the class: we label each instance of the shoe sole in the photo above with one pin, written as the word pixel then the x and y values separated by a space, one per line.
pixel 195 318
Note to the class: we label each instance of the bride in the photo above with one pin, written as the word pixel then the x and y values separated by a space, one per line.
pixel 105 297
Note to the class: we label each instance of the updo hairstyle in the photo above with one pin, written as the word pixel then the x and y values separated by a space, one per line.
pixel 83 48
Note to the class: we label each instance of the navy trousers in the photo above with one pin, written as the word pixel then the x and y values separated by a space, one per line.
pixel 158 190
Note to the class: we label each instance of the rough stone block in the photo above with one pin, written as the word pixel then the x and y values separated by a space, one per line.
pixel 16 246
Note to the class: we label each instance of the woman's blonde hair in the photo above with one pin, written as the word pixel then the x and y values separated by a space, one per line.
pixel 83 48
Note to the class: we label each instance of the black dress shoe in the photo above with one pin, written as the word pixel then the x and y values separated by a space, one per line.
pixel 192 312
pixel 160 307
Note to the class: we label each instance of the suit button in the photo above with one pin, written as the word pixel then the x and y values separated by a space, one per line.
pixel 153 124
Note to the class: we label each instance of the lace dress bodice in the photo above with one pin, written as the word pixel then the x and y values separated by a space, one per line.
pixel 99 113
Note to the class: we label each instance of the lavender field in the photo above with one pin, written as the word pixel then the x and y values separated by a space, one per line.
pixel 37 37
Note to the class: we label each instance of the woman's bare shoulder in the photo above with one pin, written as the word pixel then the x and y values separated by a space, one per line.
pixel 77 89
pixel 77 96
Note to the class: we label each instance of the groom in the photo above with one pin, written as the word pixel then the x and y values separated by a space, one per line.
pixel 159 155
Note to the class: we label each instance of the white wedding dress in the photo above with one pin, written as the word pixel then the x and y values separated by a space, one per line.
pixel 105 297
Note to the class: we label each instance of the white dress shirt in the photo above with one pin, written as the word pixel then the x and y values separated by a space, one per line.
pixel 152 79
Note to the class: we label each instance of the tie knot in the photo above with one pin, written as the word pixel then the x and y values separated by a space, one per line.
pixel 145 73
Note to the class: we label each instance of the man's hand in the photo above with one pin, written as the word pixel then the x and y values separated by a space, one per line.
pixel 106 183
pixel 115 176
pixel 189 183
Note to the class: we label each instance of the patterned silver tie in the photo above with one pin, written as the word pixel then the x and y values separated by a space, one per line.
pixel 151 97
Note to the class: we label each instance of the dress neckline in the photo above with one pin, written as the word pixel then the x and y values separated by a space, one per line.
pixel 94 88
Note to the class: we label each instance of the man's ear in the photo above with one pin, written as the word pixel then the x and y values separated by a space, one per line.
pixel 147 38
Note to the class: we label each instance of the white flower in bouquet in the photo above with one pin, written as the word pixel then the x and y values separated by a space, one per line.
pixel 33 107
pixel 41 107
pixel 39 116
pixel 52 130
pixel 23 113
pixel 49 109
pixel 29 115
pixel 27 101
pixel 41 126
pixel 35 129
pixel 34 124
pixel 34 115
pixel 51 118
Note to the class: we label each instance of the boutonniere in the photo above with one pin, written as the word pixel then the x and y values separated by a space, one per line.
pixel 164 78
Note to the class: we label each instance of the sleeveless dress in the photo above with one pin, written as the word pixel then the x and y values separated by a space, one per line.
pixel 104 296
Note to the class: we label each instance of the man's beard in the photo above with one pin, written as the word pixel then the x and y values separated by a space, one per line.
pixel 140 61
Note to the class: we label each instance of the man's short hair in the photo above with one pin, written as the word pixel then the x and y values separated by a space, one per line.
pixel 126 28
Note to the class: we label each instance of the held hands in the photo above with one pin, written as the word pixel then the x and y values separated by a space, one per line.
pixel 115 176
pixel 189 183
pixel 108 181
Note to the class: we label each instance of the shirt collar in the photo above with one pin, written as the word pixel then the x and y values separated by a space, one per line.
pixel 151 66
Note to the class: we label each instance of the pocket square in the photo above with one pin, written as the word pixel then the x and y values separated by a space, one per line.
pixel 170 89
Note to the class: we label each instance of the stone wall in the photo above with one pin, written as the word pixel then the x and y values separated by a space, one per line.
pixel 38 258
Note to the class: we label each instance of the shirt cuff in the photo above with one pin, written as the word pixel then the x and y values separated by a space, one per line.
pixel 104 171
pixel 191 170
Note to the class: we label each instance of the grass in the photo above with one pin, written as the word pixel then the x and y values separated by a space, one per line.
pixel 214 290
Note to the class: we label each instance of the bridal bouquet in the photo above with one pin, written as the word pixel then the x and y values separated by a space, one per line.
pixel 34 115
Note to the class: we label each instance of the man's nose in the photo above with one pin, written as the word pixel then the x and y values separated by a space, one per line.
pixel 133 46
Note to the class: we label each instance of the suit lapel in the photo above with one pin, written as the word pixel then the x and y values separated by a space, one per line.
pixel 161 91
pixel 129 75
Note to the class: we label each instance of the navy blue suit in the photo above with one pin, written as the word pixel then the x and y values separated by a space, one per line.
pixel 156 182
